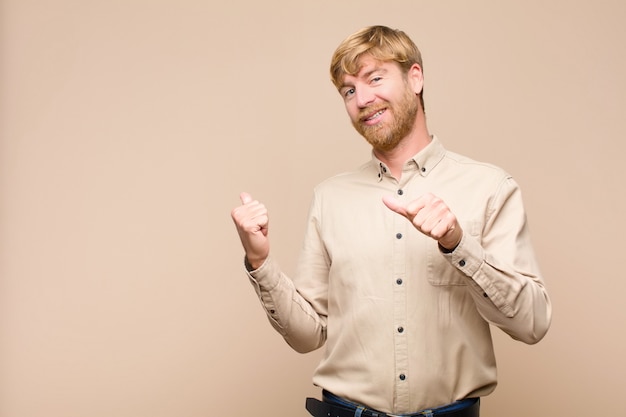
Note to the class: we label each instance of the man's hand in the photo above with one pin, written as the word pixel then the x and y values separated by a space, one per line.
pixel 252 222
pixel 431 216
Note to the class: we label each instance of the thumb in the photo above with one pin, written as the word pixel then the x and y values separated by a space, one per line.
pixel 245 198
pixel 394 205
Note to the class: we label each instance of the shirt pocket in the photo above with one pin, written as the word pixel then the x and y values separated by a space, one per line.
pixel 440 271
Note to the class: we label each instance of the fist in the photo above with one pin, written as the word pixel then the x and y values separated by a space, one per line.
pixel 251 220
pixel 431 216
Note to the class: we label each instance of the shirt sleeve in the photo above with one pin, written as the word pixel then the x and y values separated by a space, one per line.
pixel 506 283
pixel 299 314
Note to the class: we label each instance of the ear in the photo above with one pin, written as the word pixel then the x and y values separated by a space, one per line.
pixel 416 78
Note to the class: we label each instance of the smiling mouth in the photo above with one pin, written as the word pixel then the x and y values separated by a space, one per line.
pixel 374 116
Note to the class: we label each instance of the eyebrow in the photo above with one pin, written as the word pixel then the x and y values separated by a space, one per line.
pixel 375 69
pixel 366 74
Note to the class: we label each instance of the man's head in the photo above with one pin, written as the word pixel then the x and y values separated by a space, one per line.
pixel 378 73
pixel 381 43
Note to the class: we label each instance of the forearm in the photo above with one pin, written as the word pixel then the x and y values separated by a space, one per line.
pixel 512 297
pixel 288 312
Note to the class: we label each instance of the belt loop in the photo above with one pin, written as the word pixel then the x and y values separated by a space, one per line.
pixel 358 411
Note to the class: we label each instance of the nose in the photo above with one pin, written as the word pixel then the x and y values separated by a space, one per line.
pixel 364 97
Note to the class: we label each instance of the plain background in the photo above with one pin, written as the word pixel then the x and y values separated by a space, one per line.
pixel 128 128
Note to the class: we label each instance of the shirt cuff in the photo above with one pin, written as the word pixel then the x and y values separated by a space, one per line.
pixel 468 255
pixel 266 276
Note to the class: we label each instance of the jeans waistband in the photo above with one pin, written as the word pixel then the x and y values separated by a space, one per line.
pixel 443 410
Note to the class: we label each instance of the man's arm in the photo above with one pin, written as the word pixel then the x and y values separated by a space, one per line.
pixel 505 282
pixel 303 328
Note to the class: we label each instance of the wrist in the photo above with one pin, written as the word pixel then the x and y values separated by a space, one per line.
pixel 254 263
pixel 446 250
pixel 449 247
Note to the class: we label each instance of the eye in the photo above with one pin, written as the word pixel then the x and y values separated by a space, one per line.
pixel 348 92
pixel 376 79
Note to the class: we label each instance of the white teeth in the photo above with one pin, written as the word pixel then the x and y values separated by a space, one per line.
pixel 375 115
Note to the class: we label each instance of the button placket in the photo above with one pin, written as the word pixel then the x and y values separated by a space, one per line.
pixel 401 348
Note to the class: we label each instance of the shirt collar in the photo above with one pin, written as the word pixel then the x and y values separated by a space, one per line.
pixel 423 162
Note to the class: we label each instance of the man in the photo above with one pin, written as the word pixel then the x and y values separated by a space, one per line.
pixel 406 261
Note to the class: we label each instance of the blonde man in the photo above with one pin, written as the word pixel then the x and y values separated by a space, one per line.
pixel 406 261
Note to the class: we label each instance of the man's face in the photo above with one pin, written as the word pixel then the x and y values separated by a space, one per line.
pixel 381 102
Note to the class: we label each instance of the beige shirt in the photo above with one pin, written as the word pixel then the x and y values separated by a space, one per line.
pixel 406 326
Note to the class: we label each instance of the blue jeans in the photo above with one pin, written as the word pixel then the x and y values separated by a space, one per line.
pixel 358 409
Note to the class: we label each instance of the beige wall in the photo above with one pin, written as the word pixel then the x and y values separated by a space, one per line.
pixel 128 128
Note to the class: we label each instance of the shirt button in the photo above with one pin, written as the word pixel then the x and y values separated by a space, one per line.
pixel 400 329
pixel 398 235
pixel 423 169
pixel 399 281
pixel 400 192
pixel 462 262
pixel 402 377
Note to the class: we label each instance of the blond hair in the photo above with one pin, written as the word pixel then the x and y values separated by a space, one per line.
pixel 380 42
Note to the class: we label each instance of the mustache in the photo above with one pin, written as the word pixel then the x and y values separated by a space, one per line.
pixel 371 110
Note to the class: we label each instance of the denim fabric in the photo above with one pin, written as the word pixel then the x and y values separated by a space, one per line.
pixel 358 409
